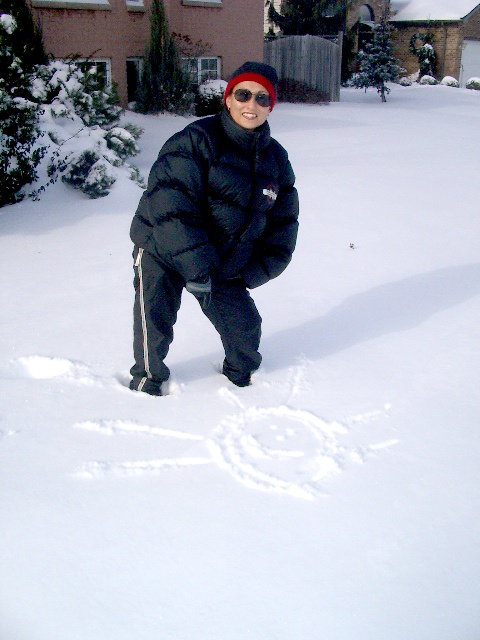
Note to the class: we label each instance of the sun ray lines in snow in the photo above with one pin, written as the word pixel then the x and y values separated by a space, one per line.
pixel 279 448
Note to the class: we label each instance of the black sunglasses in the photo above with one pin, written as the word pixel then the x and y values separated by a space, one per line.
pixel 245 95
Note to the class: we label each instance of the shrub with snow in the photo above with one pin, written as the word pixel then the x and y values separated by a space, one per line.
pixel 425 53
pixel 123 141
pixel 473 83
pixel 20 148
pixel 209 97
pixel 405 82
pixel 448 81
pixel 427 80
pixel 70 89
pixel 80 120
pixel 89 174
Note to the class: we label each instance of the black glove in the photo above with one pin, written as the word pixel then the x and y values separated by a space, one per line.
pixel 201 289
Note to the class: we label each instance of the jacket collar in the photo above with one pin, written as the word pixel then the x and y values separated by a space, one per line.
pixel 244 138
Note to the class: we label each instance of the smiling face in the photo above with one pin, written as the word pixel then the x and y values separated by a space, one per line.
pixel 248 115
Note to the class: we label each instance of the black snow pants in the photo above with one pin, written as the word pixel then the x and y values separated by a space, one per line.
pixel 158 292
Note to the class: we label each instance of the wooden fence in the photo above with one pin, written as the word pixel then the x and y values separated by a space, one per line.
pixel 310 59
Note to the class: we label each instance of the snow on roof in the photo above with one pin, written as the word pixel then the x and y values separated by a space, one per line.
pixel 432 9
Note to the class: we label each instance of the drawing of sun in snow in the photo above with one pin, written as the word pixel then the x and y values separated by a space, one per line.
pixel 280 449
pixel 283 449
pixel 275 449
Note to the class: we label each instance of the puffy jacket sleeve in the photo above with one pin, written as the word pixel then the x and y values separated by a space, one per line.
pixel 273 250
pixel 170 218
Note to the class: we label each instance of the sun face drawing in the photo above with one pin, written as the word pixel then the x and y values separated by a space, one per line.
pixel 277 449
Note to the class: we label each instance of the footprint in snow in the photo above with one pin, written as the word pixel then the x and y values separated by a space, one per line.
pixel 42 367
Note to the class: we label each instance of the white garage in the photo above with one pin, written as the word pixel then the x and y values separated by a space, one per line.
pixel 470 64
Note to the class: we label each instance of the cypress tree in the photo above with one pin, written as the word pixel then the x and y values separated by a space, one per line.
pixel 164 86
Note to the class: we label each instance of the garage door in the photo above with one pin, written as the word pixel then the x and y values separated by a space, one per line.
pixel 470 65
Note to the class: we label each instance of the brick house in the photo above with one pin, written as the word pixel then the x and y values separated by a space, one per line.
pixel 114 34
pixel 455 25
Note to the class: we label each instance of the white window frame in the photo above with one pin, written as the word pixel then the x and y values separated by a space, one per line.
pixel 135 5
pixel 202 3
pixel 198 73
pixel 108 68
pixel 94 5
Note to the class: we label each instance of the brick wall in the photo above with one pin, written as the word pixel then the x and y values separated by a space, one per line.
pixel 115 34
pixel 375 6
pixel 472 25
pixel 447 43
pixel 448 39
pixel 234 30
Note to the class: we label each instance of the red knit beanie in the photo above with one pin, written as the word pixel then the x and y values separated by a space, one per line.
pixel 258 72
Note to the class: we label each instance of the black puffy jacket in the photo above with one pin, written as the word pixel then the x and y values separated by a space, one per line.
pixel 221 201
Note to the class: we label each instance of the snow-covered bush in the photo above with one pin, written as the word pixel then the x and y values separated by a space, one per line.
pixel 88 147
pixel 405 82
pixel 209 98
pixel 88 173
pixel 473 83
pixel 123 141
pixel 427 80
pixel 425 53
pixel 20 149
pixel 449 81
pixel 72 87
pixel 60 112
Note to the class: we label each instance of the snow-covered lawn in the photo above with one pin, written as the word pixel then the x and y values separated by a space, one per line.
pixel 335 499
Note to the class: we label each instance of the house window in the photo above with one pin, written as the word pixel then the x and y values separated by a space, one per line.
pixel 134 71
pixel 101 67
pixel 202 69
pixel 72 4
pixel 135 5
pixel 365 13
pixel 202 3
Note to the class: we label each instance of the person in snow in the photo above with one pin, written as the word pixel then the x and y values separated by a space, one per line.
pixel 219 216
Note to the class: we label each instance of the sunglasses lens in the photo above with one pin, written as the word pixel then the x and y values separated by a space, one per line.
pixel 263 99
pixel 244 95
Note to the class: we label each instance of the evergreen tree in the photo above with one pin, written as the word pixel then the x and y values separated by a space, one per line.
pixel 163 85
pixel 377 64
pixel 309 17
pixel 26 41
pixel 19 151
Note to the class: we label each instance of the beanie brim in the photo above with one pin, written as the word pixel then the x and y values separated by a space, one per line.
pixel 252 77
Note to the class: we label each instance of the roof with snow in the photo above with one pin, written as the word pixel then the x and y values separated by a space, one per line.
pixel 432 9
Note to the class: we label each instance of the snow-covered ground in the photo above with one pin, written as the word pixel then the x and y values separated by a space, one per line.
pixel 335 499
